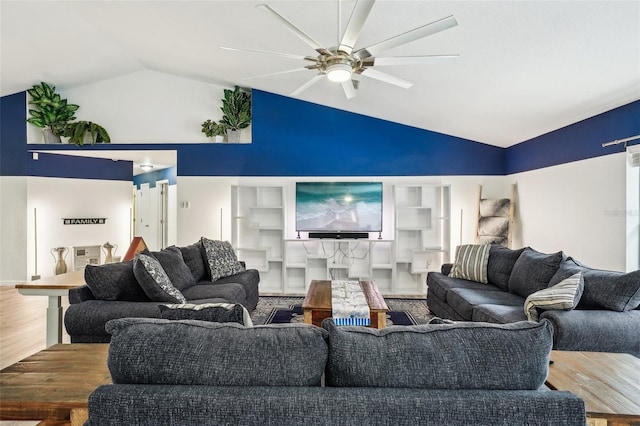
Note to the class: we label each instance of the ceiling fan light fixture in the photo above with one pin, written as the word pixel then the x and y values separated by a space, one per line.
pixel 339 72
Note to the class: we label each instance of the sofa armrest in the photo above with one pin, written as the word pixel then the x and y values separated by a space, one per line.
pixel 80 294
pixel 595 330
pixel 249 279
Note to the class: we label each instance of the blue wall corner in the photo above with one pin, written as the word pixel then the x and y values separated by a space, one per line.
pixel 577 141
pixel 13 134
pixel 151 178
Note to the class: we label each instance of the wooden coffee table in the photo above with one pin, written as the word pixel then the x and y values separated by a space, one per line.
pixel 609 384
pixel 317 304
pixel 53 385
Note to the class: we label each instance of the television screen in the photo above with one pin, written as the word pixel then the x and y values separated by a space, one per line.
pixel 339 206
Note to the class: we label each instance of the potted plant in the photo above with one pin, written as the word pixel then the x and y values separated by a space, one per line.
pixel 52 112
pixel 236 110
pixel 212 129
pixel 81 132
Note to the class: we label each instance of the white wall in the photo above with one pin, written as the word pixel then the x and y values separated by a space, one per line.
pixel 13 230
pixel 578 208
pixel 209 198
pixel 147 107
pixel 56 198
pixel 633 213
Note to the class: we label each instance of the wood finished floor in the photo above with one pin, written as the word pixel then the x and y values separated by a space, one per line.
pixel 23 327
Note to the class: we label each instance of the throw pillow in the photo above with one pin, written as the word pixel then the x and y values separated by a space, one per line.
pixel 500 265
pixel 212 312
pixel 173 264
pixel 616 291
pixel 533 271
pixel 154 280
pixel 471 262
pixel 562 296
pixel 221 259
pixel 114 281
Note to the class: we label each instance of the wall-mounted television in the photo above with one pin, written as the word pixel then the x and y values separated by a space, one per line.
pixel 339 207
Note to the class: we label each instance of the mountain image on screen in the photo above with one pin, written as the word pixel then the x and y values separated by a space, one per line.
pixel 339 206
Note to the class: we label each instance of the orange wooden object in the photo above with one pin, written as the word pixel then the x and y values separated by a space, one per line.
pixel 137 245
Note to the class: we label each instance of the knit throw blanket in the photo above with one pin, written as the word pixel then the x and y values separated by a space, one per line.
pixel 349 305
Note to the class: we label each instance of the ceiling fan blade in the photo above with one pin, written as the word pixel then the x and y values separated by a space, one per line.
pixel 414 60
pixel 286 55
pixel 275 73
pixel 295 30
pixel 354 27
pixel 349 90
pixel 378 75
pixel 409 36
pixel 308 84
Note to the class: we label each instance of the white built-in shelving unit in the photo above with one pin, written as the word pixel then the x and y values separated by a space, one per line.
pixel 398 266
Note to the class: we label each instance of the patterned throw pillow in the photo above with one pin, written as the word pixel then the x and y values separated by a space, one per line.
pixel 563 296
pixel 221 259
pixel 471 262
pixel 154 280
pixel 212 312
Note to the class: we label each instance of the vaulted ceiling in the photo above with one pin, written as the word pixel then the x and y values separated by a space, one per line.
pixel 525 67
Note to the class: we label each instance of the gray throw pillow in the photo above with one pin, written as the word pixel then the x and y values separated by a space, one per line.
pixel 221 259
pixel 616 291
pixel 194 257
pixel 212 312
pixel 562 296
pixel 114 281
pixel 500 264
pixel 175 267
pixel 471 262
pixel 533 271
pixel 154 280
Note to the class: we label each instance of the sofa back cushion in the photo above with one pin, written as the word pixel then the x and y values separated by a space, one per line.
pixel 174 265
pixel 500 264
pixel 440 356
pixel 114 281
pixel 193 256
pixel 533 271
pixel 616 291
pixel 156 351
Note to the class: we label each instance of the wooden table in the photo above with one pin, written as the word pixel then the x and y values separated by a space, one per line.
pixel 317 304
pixel 609 384
pixel 54 384
pixel 54 287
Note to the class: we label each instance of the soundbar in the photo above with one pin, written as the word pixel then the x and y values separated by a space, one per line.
pixel 339 235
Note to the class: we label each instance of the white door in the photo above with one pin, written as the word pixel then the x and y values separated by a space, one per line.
pixel 146 219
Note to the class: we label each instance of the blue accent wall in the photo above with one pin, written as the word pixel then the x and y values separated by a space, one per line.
pixel 152 177
pixel 577 141
pixel 71 166
pixel 13 134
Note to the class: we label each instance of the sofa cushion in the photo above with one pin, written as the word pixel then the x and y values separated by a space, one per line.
pixel 231 292
pixel 221 259
pixel 617 291
pixel 440 356
pixel 154 280
pixel 193 256
pixel 175 267
pixel 564 295
pixel 439 284
pixel 463 300
pixel 499 314
pixel 471 262
pixel 500 264
pixel 155 351
pixel 114 281
pixel 533 271
pixel 212 312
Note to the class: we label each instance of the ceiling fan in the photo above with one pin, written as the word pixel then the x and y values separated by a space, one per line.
pixel 340 63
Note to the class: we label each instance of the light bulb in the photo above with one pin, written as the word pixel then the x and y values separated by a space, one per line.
pixel 339 72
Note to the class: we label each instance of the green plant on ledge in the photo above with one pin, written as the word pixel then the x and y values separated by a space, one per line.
pixel 211 128
pixel 236 108
pixel 52 113
pixel 81 132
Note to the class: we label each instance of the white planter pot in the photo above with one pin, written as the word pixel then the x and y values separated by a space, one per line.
pixel 50 137
pixel 219 138
pixel 233 136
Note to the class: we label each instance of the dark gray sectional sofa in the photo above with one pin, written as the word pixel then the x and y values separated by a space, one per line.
pixel 203 373
pixel 606 319
pixel 116 290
